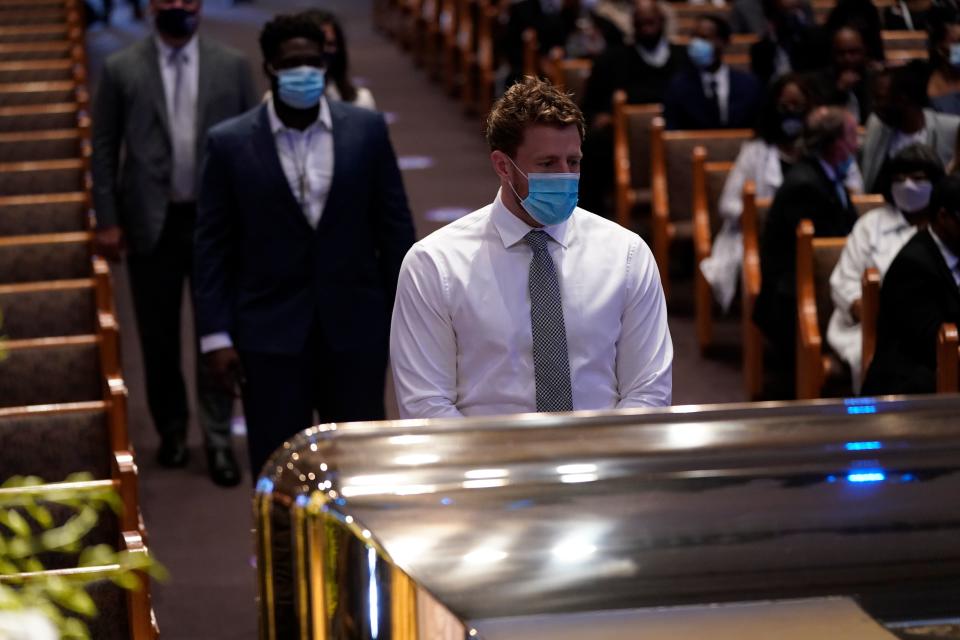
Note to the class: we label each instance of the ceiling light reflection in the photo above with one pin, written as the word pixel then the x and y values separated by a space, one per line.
pixel 416 459
pixel 484 484
pixel 408 439
pixel 573 478
pixel 479 474
pixel 566 469
pixel 485 555
pixel 573 550
pixel 689 434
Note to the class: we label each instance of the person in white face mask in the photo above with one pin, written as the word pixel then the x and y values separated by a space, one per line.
pixel 875 241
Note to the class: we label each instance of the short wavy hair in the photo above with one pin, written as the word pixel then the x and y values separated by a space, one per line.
pixel 528 102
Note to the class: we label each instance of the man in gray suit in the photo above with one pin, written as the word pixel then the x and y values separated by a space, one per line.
pixel 155 102
pixel 900 119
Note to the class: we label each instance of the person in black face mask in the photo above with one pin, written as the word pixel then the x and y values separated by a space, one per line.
pixel 156 99
pixel 765 160
pixel 642 70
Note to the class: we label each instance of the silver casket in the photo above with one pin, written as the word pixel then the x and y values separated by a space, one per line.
pixel 822 519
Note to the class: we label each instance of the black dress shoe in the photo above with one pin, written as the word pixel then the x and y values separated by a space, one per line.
pixel 223 467
pixel 173 451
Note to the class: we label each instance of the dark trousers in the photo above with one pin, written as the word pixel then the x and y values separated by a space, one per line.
pixel 157 280
pixel 282 392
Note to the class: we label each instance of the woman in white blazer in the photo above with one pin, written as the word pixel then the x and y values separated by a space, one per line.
pixel 875 241
pixel 764 160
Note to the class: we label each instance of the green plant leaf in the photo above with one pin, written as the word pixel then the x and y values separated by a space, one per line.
pixel 17 524
pixel 75 599
pixel 128 581
pixel 74 629
pixel 98 555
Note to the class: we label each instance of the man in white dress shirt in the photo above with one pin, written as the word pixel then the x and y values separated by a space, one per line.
pixel 530 304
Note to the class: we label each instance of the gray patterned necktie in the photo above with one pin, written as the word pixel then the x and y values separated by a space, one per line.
pixel 551 363
pixel 182 134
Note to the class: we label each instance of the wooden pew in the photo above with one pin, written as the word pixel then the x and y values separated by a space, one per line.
pixel 570 75
pixel 449 23
pixel 671 182
pixel 52 256
pixel 40 117
pixel 708 181
pixel 948 359
pixel 632 124
pixel 816 259
pixel 869 316
pixel 43 146
pixel 44 214
pixel 66 175
pixel 752 223
pixel 482 61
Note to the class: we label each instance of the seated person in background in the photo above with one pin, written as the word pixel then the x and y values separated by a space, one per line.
pixel 530 303
pixel 790 42
pixel 901 119
pixel 876 239
pixel 943 88
pixel 920 292
pixel 339 86
pixel 765 160
pixel 910 15
pixel 749 16
pixel 709 94
pixel 553 20
pixel 846 82
pixel 813 189
pixel 642 70
pixel 863 17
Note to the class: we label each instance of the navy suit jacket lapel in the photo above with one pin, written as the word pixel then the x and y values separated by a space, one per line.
pixel 342 143
pixel 271 171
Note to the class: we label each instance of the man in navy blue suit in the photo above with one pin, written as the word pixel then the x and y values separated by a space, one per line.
pixel 302 225
pixel 709 94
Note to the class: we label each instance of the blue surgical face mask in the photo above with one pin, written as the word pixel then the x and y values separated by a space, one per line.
pixel 551 197
pixel 955 54
pixel 300 87
pixel 700 52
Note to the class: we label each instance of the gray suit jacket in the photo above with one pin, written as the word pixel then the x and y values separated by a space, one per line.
pixel 941 131
pixel 132 157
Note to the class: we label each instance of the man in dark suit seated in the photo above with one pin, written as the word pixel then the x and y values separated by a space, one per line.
pixel 846 82
pixel 791 41
pixel 553 20
pixel 920 292
pixel 155 101
pixel 303 224
pixel 813 189
pixel 709 94
pixel 642 70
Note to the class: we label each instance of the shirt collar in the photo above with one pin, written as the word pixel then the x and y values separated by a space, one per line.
pixel 948 255
pixel 165 50
pixel 512 229
pixel 276 124
pixel 722 72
